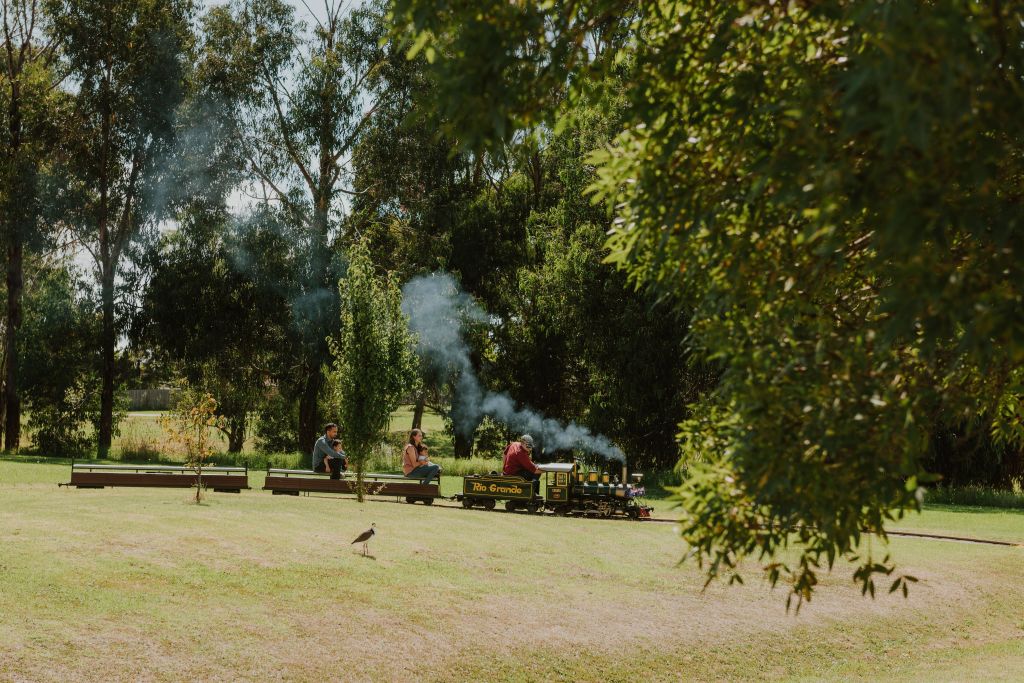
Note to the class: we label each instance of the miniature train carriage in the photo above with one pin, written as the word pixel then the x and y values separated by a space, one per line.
pixel 485 490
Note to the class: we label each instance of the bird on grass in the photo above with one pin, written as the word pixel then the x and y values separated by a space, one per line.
pixel 365 537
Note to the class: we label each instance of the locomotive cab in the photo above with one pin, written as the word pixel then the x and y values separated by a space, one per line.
pixel 558 478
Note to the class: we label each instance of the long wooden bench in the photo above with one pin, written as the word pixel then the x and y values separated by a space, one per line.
pixel 223 479
pixel 293 482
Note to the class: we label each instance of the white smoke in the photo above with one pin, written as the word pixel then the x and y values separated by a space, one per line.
pixel 437 309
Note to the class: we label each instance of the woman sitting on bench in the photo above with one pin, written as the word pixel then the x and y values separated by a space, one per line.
pixel 415 461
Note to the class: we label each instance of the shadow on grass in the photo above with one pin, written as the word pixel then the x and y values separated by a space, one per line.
pixel 254 461
pixel 40 459
pixel 974 509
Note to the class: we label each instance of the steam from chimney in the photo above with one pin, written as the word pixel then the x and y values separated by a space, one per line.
pixel 437 309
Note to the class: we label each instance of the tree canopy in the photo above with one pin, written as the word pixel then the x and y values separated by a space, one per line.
pixel 833 190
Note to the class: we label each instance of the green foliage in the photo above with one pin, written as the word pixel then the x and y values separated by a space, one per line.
pixel 589 347
pixel 374 362
pixel 981 496
pixel 58 374
pixel 833 188
pixel 517 228
pixel 32 109
pixel 276 425
pixel 491 438
pixel 964 455
pixel 502 67
pixel 207 311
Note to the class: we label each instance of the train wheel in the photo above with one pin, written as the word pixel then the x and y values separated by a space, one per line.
pixel 467 503
pixel 489 504
pixel 428 501
pixel 510 506
pixel 534 507
pixel 410 499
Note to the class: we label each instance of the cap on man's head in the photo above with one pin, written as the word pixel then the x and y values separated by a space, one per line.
pixel 527 441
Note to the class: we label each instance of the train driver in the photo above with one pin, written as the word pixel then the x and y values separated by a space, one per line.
pixel 517 462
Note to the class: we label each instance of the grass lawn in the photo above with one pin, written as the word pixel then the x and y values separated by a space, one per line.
pixel 122 584
pixel 993 524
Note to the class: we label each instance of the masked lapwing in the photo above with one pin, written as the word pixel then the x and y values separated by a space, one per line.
pixel 366 537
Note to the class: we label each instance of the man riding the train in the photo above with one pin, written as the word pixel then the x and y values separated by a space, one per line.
pixel 517 462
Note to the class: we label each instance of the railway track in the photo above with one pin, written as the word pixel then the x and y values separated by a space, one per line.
pixel 664 520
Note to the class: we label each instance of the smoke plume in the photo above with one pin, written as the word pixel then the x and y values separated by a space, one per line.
pixel 437 310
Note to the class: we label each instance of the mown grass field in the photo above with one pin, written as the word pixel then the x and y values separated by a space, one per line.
pixel 122 584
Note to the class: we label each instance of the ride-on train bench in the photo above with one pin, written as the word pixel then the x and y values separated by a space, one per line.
pixel 293 482
pixel 223 479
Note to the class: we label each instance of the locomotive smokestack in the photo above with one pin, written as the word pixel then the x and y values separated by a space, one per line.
pixel 624 474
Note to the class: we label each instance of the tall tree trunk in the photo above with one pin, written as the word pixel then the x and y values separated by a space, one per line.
pixel 12 399
pixel 3 393
pixel 107 369
pixel 359 479
pixel 16 219
pixel 417 413
pixel 323 319
pixel 236 435
pixel 463 445
pixel 309 412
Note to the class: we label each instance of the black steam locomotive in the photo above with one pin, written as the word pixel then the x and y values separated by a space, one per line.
pixel 567 490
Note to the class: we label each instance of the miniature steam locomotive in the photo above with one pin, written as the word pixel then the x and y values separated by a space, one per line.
pixel 567 490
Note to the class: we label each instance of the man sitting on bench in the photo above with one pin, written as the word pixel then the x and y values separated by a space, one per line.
pixel 324 457
pixel 517 462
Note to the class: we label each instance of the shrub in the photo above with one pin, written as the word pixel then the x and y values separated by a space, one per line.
pixel 491 437
pixel 58 427
pixel 985 496
pixel 277 426
pixel 189 425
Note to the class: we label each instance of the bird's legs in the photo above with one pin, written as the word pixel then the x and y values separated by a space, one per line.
pixel 364 550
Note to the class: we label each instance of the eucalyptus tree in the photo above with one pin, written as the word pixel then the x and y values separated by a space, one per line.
pixel 299 97
pixel 126 64
pixel 833 189
pixel 29 115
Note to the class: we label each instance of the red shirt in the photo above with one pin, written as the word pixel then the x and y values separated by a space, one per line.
pixel 517 459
